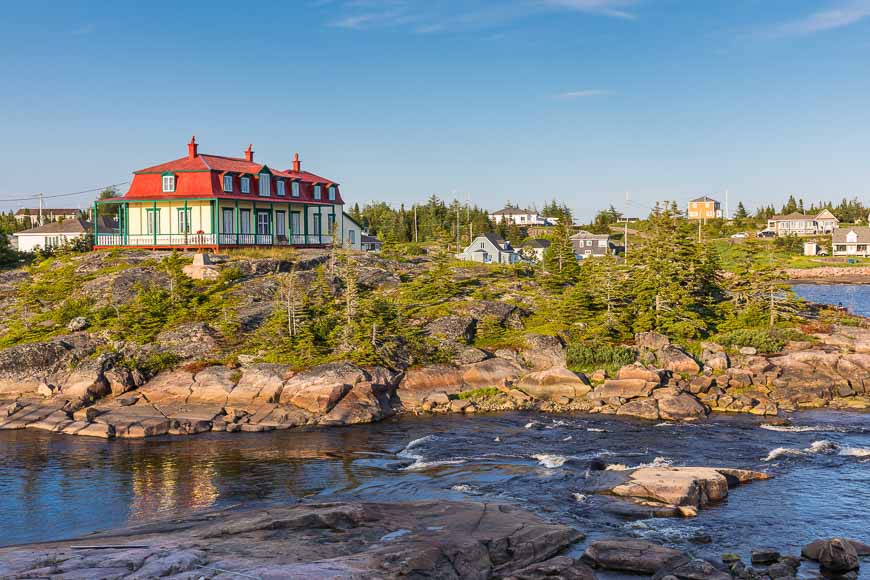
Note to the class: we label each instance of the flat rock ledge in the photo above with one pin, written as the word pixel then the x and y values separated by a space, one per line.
pixel 435 539
pixel 676 491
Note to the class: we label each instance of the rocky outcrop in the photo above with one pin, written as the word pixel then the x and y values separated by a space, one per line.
pixel 456 328
pixel 630 555
pixel 192 340
pixel 687 489
pixel 435 539
pixel 836 556
pixel 554 384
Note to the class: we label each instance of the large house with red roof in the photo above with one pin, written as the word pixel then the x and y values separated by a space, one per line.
pixel 214 201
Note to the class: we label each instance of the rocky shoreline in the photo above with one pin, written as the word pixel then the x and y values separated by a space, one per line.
pixel 66 386
pixel 420 539
pixel 829 275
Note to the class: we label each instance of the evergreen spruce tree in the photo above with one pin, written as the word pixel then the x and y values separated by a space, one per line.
pixel 560 263
pixel 741 213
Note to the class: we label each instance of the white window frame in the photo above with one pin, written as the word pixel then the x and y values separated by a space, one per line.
pixel 331 193
pixel 228 182
pixel 281 188
pixel 351 236
pixel 168 184
pixel 318 192
pixel 294 189
pixel 246 184
pixel 265 184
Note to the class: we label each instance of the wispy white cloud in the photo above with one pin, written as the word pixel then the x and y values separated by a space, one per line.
pixel 582 94
pixel 838 16
pixel 435 16
pixel 617 8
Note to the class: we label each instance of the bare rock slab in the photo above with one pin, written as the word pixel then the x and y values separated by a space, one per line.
pixel 431 539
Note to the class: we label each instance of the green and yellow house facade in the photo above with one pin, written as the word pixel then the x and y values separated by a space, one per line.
pixel 211 201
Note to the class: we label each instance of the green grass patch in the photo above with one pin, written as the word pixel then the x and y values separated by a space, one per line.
pixel 587 358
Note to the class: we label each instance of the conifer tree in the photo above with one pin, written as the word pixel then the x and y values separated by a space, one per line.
pixel 560 263
pixel 741 213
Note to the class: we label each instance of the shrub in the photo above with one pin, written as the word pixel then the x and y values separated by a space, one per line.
pixel 766 340
pixel 817 327
pixel 484 393
pixel 591 357
pixel 157 362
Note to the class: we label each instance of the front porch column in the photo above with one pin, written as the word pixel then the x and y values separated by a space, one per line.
pixel 305 223
pixel 96 226
pixel 238 222
pixel 186 222
pixel 156 221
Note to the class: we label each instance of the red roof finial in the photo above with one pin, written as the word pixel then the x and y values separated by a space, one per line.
pixel 192 148
pixel 297 165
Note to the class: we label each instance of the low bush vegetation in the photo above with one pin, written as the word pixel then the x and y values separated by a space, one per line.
pixel 589 358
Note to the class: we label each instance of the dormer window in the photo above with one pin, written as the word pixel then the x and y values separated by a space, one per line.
pixel 294 189
pixel 331 193
pixel 281 191
pixel 265 185
pixel 168 183
pixel 317 190
pixel 246 184
pixel 228 182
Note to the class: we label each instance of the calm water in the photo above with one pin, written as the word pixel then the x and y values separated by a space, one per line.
pixel 54 486
pixel 855 297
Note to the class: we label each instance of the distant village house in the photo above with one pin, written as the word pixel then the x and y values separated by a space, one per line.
pixel 371 243
pixel 534 249
pixel 52 235
pixel 521 217
pixel 490 249
pixel 798 224
pixel 852 241
pixel 704 208
pixel 48 215
pixel 589 245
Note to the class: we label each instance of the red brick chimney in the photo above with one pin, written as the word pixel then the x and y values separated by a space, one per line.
pixel 192 148
pixel 249 153
pixel 297 165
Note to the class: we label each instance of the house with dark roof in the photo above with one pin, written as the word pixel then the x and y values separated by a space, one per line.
pixel 704 208
pixel 589 245
pixel 533 249
pixel 371 243
pixel 51 235
pixel 216 201
pixel 489 249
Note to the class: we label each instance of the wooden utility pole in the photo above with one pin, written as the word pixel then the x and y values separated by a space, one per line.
pixel 416 239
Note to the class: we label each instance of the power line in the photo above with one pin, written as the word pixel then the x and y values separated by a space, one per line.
pixel 36 195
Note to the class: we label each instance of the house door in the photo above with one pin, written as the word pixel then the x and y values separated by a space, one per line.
pixel 281 225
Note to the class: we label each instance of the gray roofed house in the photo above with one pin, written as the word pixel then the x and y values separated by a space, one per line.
pixel 370 243
pixel 851 241
pixel 488 248
pixel 52 234
pixel 535 248
pixel 587 244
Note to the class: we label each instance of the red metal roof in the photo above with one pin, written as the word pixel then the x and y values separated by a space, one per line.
pixel 201 175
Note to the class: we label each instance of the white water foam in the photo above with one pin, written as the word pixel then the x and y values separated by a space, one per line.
pixel 463 488
pixel 855 451
pixel 550 461
pixel 823 446
pixel 419 462
pixel 657 462
pixel 802 428
pixel 579 497
pixel 596 430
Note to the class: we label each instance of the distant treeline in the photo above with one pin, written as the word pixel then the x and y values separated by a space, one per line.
pixel 437 221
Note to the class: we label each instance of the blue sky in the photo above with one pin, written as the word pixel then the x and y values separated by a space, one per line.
pixel 520 100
